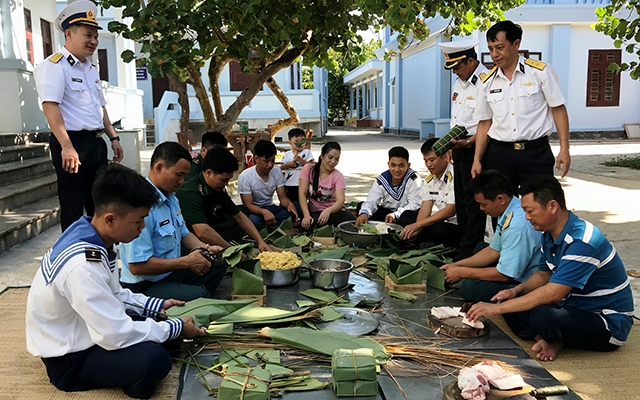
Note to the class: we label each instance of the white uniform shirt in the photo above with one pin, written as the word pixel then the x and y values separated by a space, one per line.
pixel 75 86
pixel 76 301
pixel 440 190
pixel 521 108
pixel 379 196
pixel 464 100
pixel 292 175
pixel 249 182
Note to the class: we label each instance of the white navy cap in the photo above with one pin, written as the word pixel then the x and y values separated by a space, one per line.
pixel 456 52
pixel 81 12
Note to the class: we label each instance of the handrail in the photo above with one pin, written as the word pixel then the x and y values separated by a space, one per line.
pixel 163 114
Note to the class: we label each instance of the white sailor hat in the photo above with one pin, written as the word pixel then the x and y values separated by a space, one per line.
pixel 81 12
pixel 455 52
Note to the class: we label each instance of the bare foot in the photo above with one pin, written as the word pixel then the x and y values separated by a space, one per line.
pixel 546 351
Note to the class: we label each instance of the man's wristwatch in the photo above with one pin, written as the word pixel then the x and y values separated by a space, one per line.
pixel 115 138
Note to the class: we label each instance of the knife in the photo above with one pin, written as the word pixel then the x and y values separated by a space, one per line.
pixel 541 393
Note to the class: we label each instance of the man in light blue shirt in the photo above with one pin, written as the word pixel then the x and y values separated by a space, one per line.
pixel 151 264
pixel 514 252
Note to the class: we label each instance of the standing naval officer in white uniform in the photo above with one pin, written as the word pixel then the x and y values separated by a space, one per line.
pixel 461 58
pixel 521 101
pixel 72 100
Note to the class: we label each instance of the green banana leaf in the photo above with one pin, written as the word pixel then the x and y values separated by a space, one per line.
pixel 337 253
pixel 286 225
pixel 204 310
pixel 329 314
pixel 319 294
pixel 325 231
pixel 302 240
pixel 429 257
pixel 233 254
pixel 369 228
pixel 305 303
pixel 324 342
pixel 353 364
pixel 313 139
pixel 284 242
pixel 278 371
pixel 247 278
pixel 307 384
pixel 402 295
pixel 222 329
pixel 258 315
pixel 245 383
pixel 403 273
pixel 377 253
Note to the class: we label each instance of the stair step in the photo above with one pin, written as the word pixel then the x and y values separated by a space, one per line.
pixel 22 224
pixel 16 171
pixel 12 139
pixel 21 193
pixel 23 151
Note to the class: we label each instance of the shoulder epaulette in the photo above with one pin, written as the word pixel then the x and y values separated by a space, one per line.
pixel 486 75
pixel 56 58
pixel 429 178
pixel 378 182
pixel 535 64
pixel 507 220
pixel 200 189
pixel 196 160
pixel 92 254
pixel 449 177
pixel 413 176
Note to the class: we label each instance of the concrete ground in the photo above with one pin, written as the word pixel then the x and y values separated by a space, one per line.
pixel 603 195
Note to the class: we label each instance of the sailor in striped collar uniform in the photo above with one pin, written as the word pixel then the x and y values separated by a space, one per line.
pixel 581 295
pixel 78 314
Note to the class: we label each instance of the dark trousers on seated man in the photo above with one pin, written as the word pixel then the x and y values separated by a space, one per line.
pixel 279 212
pixel 476 290
pixel 441 233
pixel 135 369
pixel 554 323
pixel 182 284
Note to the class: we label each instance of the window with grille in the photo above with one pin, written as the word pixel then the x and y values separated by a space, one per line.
pixel 103 65
pixel 603 86
pixel 28 34
pixel 47 41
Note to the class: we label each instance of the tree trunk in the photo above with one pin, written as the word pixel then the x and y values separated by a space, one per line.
pixel 288 107
pixel 183 99
pixel 195 80
pixel 216 65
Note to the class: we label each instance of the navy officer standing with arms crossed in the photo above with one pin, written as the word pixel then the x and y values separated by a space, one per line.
pixel 72 100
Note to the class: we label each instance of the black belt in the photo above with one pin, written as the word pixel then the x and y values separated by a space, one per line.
pixel 97 132
pixel 523 144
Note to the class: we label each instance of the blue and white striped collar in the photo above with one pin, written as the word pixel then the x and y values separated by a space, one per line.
pixel 395 192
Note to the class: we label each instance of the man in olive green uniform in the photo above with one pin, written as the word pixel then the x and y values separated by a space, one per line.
pixel 206 204
pixel 209 140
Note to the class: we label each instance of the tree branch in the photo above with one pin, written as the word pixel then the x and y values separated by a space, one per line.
pixel 195 80
pixel 216 65
pixel 183 99
pixel 288 107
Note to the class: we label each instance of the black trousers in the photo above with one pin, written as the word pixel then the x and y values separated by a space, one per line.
pixel 406 218
pixel 74 190
pixel 182 284
pixel 135 369
pixel 440 233
pixel 292 192
pixel 471 219
pixel 519 165
pixel 575 328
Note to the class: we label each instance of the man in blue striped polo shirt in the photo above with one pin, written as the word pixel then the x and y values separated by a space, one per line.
pixel 580 296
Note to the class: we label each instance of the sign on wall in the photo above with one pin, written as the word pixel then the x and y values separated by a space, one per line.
pixel 141 73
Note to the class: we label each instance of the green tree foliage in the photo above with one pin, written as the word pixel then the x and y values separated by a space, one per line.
pixel 619 20
pixel 344 62
pixel 179 37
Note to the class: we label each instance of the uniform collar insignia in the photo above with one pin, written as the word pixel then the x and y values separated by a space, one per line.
pixel 395 192
pixel 521 67
pixel 71 60
pixel 474 79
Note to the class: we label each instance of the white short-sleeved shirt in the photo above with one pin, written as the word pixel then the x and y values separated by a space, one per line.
pixel 440 190
pixel 464 100
pixel 75 86
pixel 249 182
pixel 520 109
pixel 292 175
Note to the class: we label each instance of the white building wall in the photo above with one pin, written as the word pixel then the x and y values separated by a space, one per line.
pixel 418 86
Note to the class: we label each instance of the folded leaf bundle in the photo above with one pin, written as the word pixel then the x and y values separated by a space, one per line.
pixel 402 295
pixel 402 273
pixel 261 315
pixel 325 231
pixel 245 383
pixel 324 342
pixel 247 278
pixel 302 240
pixel 356 388
pixel 436 278
pixel 284 242
pixel 233 254
pixel 353 365
pixel 204 310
